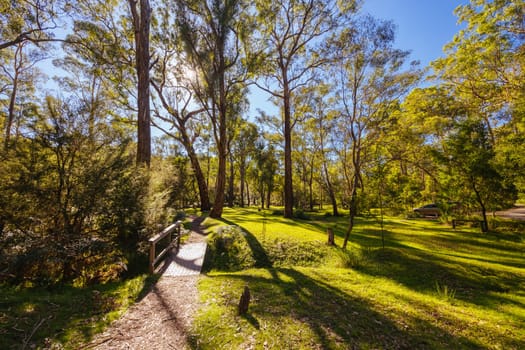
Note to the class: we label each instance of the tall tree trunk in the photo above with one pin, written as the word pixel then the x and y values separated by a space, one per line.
pixel 231 178
pixel 262 195
pixel 288 183
pixel 310 186
pixel 199 175
pixel 12 98
pixel 141 26
pixel 330 189
pixel 248 194
pixel 11 112
pixel 222 141
pixel 242 177
pixel 268 196
pixel 356 182
pixel 485 226
pixel 353 211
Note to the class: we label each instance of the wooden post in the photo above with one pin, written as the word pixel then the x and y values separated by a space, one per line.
pixel 152 258
pixel 245 301
pixel 330 233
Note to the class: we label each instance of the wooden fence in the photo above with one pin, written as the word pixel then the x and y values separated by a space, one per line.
pixel 173 232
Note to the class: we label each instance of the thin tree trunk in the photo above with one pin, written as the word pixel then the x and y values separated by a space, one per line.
pixel 231 193
pixel 12 97
pixel 242 176
pixel 310 186
pixel 268 197
pixel 330 189
pixel 248 200
pixel 199 176
pixel 485 226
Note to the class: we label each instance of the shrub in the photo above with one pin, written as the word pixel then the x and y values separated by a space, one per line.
pixel 283 252
pixel 228 249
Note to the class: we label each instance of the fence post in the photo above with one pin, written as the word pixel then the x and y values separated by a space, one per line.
pixel 151 257
pixel 179 223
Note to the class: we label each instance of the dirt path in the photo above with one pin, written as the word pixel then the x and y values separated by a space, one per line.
pixel 162 319
pixel 516 213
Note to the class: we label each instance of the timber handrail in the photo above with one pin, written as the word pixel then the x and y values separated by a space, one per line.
pixel 174 232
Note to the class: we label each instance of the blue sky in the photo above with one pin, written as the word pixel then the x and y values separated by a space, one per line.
pixel 423 27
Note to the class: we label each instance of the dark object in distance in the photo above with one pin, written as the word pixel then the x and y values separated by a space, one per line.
pixel 428 210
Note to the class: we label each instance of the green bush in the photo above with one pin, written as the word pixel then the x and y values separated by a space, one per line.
pixel 228 249
pixel 283 252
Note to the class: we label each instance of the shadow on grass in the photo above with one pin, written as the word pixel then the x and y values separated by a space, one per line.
pixel 421 271
pixel 336 318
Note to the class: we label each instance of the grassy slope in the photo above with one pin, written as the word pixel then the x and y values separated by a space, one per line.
pixel 430 288
pixel 63 316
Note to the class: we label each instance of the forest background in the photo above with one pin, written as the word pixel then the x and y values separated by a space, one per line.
pixel 83 184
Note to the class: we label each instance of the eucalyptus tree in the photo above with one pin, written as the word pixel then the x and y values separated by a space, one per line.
pixel 177 115
pixel 25 21
pixel 243 151
pixel 371 80
pixel 211 32
pixel 266 168
pixel 322 126
pixel 141 20
pixel 470 153
pixel 483 66
pixel 20 77
pixel 287 48
pixel 113 37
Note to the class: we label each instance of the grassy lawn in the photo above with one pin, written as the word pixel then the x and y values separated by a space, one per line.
pixel 431 287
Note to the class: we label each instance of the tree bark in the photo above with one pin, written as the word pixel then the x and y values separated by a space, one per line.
pixel 242 177
pixel 199 175
pixel 12 97
pixel 231 178
pixel 141 26
pixel 288 181
pixel 330 189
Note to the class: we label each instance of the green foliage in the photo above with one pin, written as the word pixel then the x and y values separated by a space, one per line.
pixel 72 202
pixel 228 249
pixel 289 252
pixel 65 316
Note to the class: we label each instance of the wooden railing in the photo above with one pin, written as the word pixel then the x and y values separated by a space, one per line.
pixel 173 233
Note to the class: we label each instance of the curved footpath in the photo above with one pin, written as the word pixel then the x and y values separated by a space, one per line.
pixel 162 319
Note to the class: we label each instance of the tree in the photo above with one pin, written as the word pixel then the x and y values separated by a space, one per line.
pixel 20 76
pixel 243 149
pixel 470 153
pixel 174 91
pixel 266 169
pixel 288 55
pixel 210 31
pixel 104 39
pixel 141 20
pixel 371 81
pixel 27 21
pixel 483 68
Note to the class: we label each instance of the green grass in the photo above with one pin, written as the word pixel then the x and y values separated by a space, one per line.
pixel 431 287
pixel 63 316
